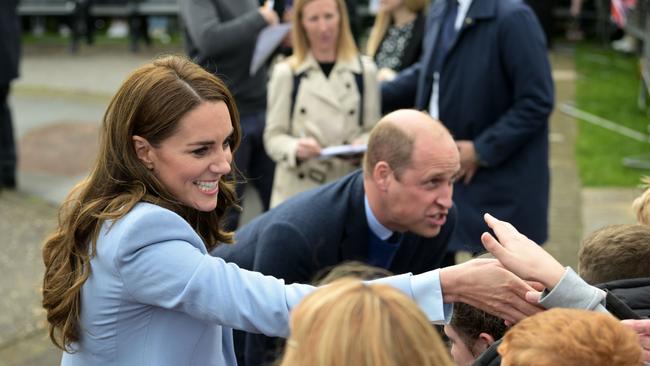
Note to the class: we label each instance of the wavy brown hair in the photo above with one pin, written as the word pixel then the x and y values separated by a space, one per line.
pixel 149 104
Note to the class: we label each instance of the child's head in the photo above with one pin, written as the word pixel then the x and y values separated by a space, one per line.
pixel 471 331
pixel 615 252
pixel 570 337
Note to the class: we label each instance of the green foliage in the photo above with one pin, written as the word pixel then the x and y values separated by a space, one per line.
pixel 608 86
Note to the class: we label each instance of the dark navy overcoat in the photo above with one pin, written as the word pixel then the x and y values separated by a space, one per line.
pixel 496 89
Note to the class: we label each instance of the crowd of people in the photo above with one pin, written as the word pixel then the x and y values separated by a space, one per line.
pixel 149 264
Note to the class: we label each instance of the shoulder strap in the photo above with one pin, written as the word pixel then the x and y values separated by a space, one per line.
pixel 297 78
pixel 618 308
pixel 358 79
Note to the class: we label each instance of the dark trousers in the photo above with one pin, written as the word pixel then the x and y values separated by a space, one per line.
pixel 7 143
pixel 251 160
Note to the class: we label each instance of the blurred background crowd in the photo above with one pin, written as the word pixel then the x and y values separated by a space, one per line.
pixel 333 73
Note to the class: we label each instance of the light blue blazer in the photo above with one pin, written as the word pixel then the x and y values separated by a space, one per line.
pixel 156 297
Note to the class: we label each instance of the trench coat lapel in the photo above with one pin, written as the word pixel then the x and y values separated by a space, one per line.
pixel 324 91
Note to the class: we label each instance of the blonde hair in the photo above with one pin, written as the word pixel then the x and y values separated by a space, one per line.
pixel 641 205
pixel 384 19
pixel 346 49
pixel 150 103
pixel 352 323
pixel 570 337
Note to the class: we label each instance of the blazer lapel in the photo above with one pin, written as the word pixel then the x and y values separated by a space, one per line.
pixel 322 91
pixel 432 27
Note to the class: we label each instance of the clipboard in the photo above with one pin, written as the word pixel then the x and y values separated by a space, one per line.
pixel 267 41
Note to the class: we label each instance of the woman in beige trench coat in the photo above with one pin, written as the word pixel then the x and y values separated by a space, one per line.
pixel 326 108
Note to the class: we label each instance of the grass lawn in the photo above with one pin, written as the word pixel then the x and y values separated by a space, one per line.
pixel 608 86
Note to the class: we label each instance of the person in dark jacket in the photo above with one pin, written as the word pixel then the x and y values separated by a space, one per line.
pixel 379 216
pixel 9 59
pixel 484 72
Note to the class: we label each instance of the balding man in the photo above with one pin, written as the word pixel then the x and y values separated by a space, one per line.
pixel 396 214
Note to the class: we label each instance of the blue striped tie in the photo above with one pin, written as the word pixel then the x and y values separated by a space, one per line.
pixel 446 35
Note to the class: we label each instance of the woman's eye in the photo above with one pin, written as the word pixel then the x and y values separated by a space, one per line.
pixel 227 142
pixel 200 151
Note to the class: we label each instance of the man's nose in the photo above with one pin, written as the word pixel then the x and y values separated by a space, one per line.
pixel 445 197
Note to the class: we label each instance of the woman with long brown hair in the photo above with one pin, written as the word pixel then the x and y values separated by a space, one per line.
pixel 128 275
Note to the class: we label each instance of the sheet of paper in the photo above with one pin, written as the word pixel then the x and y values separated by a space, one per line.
pixel 267 41
pixel 342 150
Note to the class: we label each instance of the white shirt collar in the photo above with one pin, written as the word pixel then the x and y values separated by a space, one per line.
pixel 375 226
pixel 463 8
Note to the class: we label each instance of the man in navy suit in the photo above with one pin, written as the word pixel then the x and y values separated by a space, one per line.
pixel 396 214
pixel 484 72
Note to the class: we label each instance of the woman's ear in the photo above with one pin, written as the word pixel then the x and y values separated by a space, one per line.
pixel 143 150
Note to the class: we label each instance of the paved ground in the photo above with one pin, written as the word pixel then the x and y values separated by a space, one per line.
pixel 58 104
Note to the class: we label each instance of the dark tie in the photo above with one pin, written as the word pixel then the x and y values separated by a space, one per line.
pixel 395 238
pixel 446 35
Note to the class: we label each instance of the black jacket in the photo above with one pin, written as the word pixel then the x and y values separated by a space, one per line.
pixel 626 299
pixel 9 41
pixel 634 292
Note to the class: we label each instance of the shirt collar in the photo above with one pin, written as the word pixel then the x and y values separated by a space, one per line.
pixel 375 226
pixel 463 8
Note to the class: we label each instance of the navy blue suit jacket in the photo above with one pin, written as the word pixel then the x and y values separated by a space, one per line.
pixel 317 230
pixel 496 89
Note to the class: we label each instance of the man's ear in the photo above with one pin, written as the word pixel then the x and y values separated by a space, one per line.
pixel 143 150
pixel 382 175
pixel 482 343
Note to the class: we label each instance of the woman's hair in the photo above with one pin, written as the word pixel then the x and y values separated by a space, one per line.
pixel 641 205
pixel 570 337
pixel 352 323
pixel 384 19
pixel 346 48
pixel 149 104
pixel 353 269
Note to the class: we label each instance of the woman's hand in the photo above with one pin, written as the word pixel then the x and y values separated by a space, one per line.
pixel 521 255
pixel 386 74
pixel 308 148
pixel 269 15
